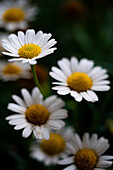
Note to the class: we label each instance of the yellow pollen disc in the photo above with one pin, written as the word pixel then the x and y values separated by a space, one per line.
pixel 13 15
pixel 55 145
pixel 37 114
pixel 85 159
pixel 79 82
pixel 11 69
pixel 29 51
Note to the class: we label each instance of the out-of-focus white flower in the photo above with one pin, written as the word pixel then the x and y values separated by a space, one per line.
pixel 14 71
pixel 16 14
pixel 51 150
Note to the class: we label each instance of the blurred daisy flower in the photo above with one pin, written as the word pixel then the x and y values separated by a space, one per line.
pixel 79 79
pixel 29 47
pixel 87 154
pixel 14 71
pixel 49 151
pixel 36 114
pixel 16 14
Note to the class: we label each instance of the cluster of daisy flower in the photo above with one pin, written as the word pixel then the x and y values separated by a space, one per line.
pixel 40 116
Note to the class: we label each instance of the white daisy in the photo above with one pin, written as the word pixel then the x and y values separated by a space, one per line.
pixel 29 47
pixel 87 154
pixel 49 151
pixel 79 79
pixel 16 14
pixel 14 71
pixel 36 114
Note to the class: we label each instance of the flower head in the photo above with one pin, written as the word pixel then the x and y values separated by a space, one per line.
pixel 36 114
pixel 87 154
pixel 16 14
pixel 29 47
pixel 14 71
pixel 79 79
pixel 49 151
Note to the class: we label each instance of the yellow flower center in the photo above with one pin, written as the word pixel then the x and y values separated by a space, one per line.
pixel 37 114
pixel 11 69
pixel 79 82
pixel 13 15
pixel 29 51
pixel 85 159
pixel 55 145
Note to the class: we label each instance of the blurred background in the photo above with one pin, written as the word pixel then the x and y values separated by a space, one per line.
pixel 83 28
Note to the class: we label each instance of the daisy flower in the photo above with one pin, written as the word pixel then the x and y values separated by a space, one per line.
pixel 87 154
pixel 49 151
pixel 14 71
pixel 16 14
pixel 29 46
pixel 35 114
pixel 80 79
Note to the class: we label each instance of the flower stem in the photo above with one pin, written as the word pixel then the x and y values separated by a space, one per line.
pixel 36 79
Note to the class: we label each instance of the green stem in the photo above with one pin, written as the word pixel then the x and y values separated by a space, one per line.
pixel 36 79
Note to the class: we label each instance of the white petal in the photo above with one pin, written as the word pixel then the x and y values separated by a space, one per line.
pixel 27 131
pixel 66 70
pixel 18 100
pixel 86 140
pixel 105 157
pixel 17 121
pixel 92 95
pixel 77 141
pixel 71 167
pixel 74 64
pixel 49 100
pixel 55 124
pixel 100 88
pixel 10 48
pixel 16 108
pixel 10 54
pixel 27 97
pixel 64 92
pixel 49 44
pixel 59 114
pixel 66 161
pixel 76 95
pixel 16 116
pixel 103 82
pixel 104 164
pixel 55 76
pixel 86 96
pixel 57 105
pixel 59 72
pixel 71 148
pixel 21 126
pixel 21 37
pixel 38 37
pixel 30 33
pixel 37 96
pixel 32 61
pixel 14 40
pixel 59 83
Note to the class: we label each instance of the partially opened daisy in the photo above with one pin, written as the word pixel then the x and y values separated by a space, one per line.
pixel 14 71
pixel 35 114
pixel 29 46
pixel 87 154
pixel 16 14
pixel 80 79
pixel 49 151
